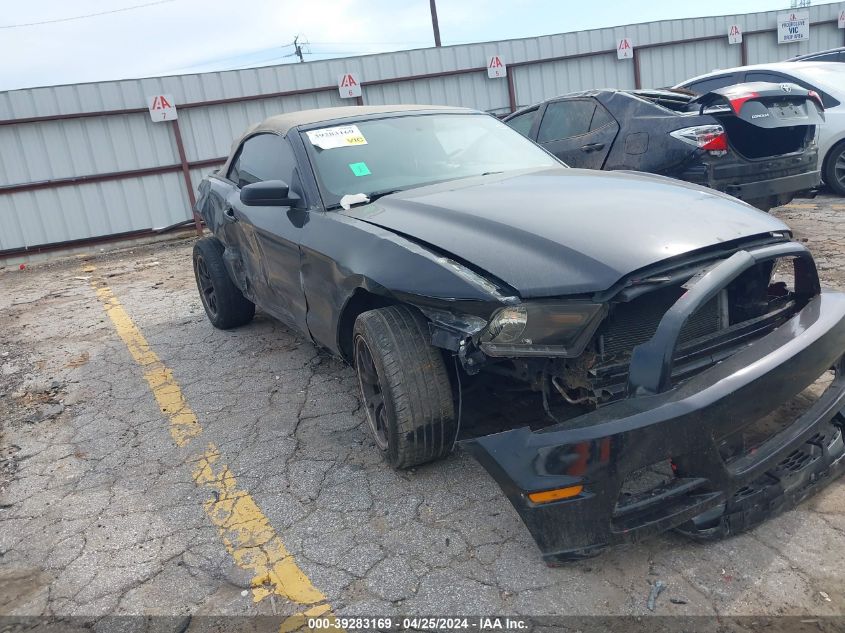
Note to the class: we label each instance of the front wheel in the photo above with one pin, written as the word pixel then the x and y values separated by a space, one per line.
pixel 834 169
pixel 405 388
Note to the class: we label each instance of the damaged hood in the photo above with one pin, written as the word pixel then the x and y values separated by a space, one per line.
pixel 565 231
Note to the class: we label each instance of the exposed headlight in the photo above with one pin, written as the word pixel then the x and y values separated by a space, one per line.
pixel 541 329
pixel 508 325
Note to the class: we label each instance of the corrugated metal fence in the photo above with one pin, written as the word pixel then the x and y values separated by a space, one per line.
pixel 83 162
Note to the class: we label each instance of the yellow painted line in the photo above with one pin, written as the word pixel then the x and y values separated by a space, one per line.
pixel 248 535
pixel 183 422
pixel 245 530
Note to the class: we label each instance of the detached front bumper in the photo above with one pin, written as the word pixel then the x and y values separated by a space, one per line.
pixel 708 497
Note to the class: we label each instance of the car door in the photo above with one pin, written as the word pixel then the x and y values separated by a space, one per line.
pixel 270 235
pixel 578 131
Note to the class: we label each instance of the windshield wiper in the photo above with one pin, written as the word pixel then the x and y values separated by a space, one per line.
pixel 375 195
pixel 362 198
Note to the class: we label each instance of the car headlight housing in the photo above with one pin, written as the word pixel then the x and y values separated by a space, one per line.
pixel 542 329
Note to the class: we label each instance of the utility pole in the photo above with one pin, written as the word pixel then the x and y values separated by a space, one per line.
pixel 434 23
pixel 298 49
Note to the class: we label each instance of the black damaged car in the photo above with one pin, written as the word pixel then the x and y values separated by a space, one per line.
pixel 756 141
pixel 659 323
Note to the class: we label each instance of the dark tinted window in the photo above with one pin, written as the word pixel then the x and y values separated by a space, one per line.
pixel 703 86
pixel 835 56
pixel 566 118
pixel 601 117
pixel 523 122
pixel 262 157
pixel 762 75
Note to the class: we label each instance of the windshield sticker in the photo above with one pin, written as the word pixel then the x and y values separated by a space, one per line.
pixel 359 169
pixel 332 137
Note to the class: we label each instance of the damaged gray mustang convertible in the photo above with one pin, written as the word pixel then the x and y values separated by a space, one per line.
pixel 658 322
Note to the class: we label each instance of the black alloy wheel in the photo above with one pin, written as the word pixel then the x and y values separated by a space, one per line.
pixel 371 392
pixel 207 294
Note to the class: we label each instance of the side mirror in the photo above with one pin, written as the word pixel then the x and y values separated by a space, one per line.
pixel 270 193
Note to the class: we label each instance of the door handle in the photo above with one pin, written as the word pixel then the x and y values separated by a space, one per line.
pixel 592 147
pixel 229 214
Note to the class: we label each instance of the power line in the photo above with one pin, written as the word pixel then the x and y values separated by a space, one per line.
pixel 403 43
pixel 82 17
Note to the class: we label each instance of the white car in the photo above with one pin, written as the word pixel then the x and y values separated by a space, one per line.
pixel 825 78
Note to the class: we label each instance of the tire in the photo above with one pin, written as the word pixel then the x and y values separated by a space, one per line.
pixel 405 388
pixel 224 303
pixel 834 169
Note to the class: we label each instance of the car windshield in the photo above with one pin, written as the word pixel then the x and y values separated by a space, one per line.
pixel 391 154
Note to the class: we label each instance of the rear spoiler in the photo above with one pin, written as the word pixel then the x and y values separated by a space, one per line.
pixel 764 104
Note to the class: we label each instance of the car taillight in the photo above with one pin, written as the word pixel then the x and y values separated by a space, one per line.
pixel 711 138
pixel 815 95
pixel 738 101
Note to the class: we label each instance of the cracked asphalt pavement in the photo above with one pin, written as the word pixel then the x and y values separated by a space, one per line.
pixel 101 512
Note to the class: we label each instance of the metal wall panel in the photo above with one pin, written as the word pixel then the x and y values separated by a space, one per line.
pixel 456 90
pixel 208 131
pixel 538 82
pixel 670 65
pixel 32 152
pixel 764 48
pixel 47 216
pixel 47 150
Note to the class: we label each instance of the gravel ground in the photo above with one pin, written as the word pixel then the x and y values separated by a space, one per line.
pixel 99 513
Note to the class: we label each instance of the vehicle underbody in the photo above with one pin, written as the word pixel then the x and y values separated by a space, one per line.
pixel 681 411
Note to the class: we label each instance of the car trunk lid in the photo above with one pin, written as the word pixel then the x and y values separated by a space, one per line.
pixel 763 119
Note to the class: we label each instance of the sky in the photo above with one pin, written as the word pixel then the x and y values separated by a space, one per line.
pixel 49 42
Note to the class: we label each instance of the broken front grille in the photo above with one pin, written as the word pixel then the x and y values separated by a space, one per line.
pixel 750 307
pixel 630 324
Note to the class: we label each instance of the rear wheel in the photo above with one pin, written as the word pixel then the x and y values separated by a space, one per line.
pixel 224 303
pixel 405 388
pixel 834 169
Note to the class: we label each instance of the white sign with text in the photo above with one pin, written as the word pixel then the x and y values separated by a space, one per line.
pixel 793 27
pixel 624 48
pixel 496 67
pixel 162 108
pixel 734 34
pixel 348 86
